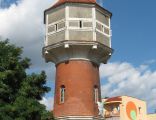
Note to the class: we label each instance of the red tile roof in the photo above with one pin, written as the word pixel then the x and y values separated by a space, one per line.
pixel 113 99
pixel 73 1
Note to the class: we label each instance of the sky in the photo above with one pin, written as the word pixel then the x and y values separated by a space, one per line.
pixel 130 71
pixel 7 3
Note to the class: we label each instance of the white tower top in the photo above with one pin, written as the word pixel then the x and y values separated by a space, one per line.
pixel 77 29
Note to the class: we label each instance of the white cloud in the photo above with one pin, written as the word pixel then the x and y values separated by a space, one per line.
pixel 125 79
pixel 48 102
pixel 23 25
pixel 150 61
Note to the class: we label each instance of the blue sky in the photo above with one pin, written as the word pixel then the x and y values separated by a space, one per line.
pixel 132 67
pixel 7 3
pixel 133 25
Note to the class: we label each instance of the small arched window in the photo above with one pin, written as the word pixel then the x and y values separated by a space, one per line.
pixel 96 94
pixel 62 94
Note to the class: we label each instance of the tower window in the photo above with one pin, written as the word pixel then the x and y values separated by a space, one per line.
pixel 80 24
pixel 96 94
pixel 102 28
pixel 62 94
pixel 56 27
pixel 118 108
pixel 139 110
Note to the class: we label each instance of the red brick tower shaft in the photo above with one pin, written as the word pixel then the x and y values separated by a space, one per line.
pixel 79 79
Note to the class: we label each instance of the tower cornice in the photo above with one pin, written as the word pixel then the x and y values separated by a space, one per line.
pixel 77 50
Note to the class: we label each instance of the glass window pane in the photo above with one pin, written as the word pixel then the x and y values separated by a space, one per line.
pixel 62 94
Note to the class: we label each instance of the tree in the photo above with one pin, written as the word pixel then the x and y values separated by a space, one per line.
pixel 19 92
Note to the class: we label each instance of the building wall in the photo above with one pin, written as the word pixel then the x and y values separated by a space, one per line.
pixel 79 22
pixel 102 18
pixel 102 28
pixel 57 37
pixel 55 17
pixel 128 108
pixel 102 38
pixel 151 116
pixel 132 108
pixel 56 14
pixel 80 35
pixel 80 11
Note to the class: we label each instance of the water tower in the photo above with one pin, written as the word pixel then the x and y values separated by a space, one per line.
pixel 78 40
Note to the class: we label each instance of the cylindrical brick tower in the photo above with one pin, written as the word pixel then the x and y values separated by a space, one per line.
pixel 78 40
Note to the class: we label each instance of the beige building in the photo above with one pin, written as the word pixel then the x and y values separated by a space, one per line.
pixel 126 108
pixel 151 117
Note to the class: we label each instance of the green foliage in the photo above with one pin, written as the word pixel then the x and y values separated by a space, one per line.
pixel 20 93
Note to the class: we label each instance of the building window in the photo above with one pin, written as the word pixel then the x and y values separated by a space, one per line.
pixel 80 24
pixel 56 27
pixel 139 110
pixel 118 108
pixel 102 28
pixel 62 94
pixel 96 94
pixel 112 108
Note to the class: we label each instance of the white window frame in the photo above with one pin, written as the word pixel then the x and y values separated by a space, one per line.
pixel 96 94
pixel 103 29
pixel 78 21
pixel 62 94
pixel 56 24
